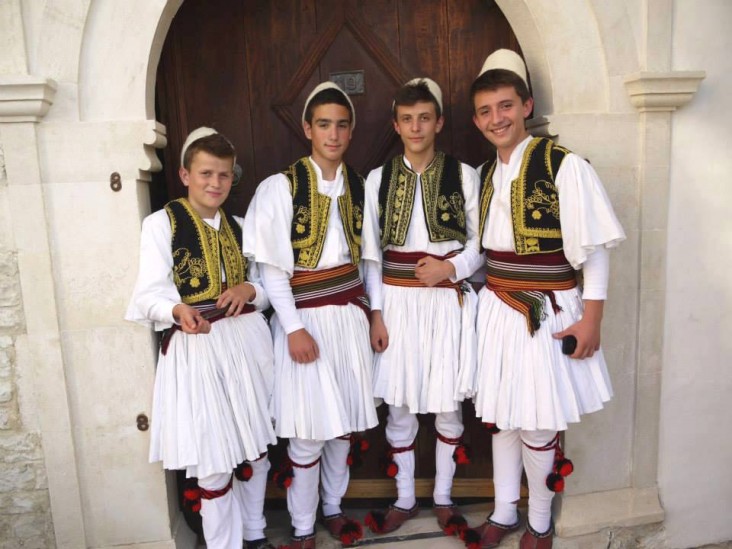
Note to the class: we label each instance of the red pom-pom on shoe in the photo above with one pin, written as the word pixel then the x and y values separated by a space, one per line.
pixel 455 526
pixel 555 482
pixel 471 537
pixel 375 521
pixel 351 532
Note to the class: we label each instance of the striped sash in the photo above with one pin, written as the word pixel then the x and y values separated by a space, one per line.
pixel 522 281
pixel 337 286
pixel 398 270
pixel 208 311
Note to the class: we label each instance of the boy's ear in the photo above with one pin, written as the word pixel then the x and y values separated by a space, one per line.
pixel 308 129
pixel 440 124
pixel 528 107
pixel 184 175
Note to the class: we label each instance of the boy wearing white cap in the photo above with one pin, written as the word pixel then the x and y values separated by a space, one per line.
pixel 308 223
pixel 214 375
pixel 420 242
pixel 543 215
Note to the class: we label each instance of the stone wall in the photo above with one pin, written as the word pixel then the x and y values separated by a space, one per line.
pixel 25 512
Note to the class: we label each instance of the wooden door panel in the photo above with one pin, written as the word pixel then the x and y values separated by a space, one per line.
pixel 246 67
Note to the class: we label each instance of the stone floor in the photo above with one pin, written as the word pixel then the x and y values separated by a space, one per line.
pixel 422 533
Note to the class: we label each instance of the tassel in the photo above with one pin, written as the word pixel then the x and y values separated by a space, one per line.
pixel 192 495
pixel 351 533
pixel 461 455
pixel 491 428
pixel 243 471
pixel 283 477
pixel 471 538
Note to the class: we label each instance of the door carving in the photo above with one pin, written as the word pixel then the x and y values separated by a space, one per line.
pixel 246 68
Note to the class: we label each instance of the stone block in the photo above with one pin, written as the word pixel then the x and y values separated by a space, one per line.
pixel 21 448
pixel 17 476
pixel 6 391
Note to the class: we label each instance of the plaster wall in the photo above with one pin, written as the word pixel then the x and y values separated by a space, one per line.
pixel 696 410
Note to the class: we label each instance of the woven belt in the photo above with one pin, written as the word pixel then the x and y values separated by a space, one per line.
pixel 208 311
pixel 398 270
pixel 522 282
pixel 337 286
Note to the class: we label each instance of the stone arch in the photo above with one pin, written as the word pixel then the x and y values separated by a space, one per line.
pixel 564 52
pixel 119 56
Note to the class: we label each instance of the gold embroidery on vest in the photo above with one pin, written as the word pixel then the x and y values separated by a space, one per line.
pixel 352 219
pixel 216 247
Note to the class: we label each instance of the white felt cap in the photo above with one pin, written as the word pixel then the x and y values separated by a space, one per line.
pixel 432 86
pixel 198 133
pixel 326 86
pixel 508 60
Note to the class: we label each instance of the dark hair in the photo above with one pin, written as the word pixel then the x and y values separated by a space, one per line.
pixel 499 78
pixel 216 145
pixel 326 97
pixel 411 94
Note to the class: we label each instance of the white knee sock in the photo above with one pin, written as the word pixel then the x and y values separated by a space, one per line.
pixel 334 475
pixel 507 467
pixel 538 465
pixel 251 499
pixel 445 471
pixel 302 495
pixel 220 516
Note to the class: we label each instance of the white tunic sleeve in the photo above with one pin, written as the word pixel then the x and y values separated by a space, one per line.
pixel 587 217
pixel 370 236
pixel 260 301
pixel 155 293
pixel 267 224
pixel 470 259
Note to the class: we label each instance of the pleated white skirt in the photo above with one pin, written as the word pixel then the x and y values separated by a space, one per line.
pixel 332 396
pixel 525 382
pixel 430 362
pixel 211 397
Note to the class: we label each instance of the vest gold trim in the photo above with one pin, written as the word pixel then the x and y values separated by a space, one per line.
pixel 442 200
pixel 311 212
pixel 534 198
pixel 199 251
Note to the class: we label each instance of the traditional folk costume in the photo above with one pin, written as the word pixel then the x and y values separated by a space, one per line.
pixel 543 215
pixel 212 391
pixel 429 364
pixel 307 244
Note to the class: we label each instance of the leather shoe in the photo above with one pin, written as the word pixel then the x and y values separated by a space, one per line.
pixel 381 523
pixel 450 519
pixel 487 535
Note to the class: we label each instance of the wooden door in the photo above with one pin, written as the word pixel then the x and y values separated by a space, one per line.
pixel 246 68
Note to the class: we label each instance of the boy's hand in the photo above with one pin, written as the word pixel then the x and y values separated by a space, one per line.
pixel 586 330
pixel 190 320
pixel 302 346
pixel 430 271
pixel 236 298
pixel 378 332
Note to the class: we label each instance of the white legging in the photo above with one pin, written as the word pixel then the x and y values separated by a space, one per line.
pixel 332 470
pixel 511 454
pixel 401 430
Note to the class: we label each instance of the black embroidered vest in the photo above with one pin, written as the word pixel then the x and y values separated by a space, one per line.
pixel 310 211
pixel 442 199
pixel 199 250
pixel 534 198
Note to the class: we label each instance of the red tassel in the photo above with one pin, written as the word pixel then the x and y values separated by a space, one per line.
pixel 471 537
pixel 564 467
pixel 555 482
pixel 283 477
pixel 364 445
pixel 351 532
pixel 375 521
pixel 455 526
pixel 461 455
pixel 491 427
pixel 392 469
pixel 244 471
